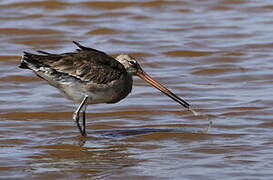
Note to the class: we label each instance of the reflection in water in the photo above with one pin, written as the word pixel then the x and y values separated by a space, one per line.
pixel 123 133
pixel 132 132
pixel 218 56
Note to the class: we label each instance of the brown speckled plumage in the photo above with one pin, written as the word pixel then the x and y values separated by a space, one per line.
pixel 86 64
pixel 90 69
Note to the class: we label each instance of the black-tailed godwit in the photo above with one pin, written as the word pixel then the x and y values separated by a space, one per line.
pixel 88 76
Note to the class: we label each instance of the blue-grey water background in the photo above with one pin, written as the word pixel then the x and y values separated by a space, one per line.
pixel 215 54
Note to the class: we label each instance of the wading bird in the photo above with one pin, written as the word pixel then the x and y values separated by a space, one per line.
pixel 88 76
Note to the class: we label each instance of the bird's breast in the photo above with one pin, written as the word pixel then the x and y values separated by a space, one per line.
pixel 108 93
pixel 122 89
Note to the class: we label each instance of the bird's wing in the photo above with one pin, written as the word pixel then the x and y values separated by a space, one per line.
pixel 86 64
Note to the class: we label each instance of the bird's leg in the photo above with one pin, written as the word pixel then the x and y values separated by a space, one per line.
pixel 83 119
pixel 76 115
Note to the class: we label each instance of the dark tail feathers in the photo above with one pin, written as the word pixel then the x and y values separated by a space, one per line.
pixel 28 61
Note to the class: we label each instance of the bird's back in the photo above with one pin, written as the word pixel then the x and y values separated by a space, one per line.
pixel 86 69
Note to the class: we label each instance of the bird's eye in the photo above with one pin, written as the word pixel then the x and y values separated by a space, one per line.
pixel 132 62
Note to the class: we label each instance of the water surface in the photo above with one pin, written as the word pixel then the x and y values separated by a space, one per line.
pixel 215 54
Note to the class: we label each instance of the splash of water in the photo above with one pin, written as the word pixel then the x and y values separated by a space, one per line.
pixel 199 114
pixel 194 112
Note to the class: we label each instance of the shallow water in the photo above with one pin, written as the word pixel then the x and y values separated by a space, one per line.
pixel 215 54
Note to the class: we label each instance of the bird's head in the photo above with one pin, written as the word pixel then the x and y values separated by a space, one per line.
pixel 132 67
pixel 130 63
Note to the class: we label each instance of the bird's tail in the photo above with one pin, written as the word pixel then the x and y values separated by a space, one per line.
pixel 28 61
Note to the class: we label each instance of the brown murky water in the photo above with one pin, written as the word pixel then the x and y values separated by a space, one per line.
pixel 215 54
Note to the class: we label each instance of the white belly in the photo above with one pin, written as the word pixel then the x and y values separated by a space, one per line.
pixel 76 92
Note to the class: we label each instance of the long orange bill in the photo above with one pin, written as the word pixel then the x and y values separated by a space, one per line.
pixel 164 90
